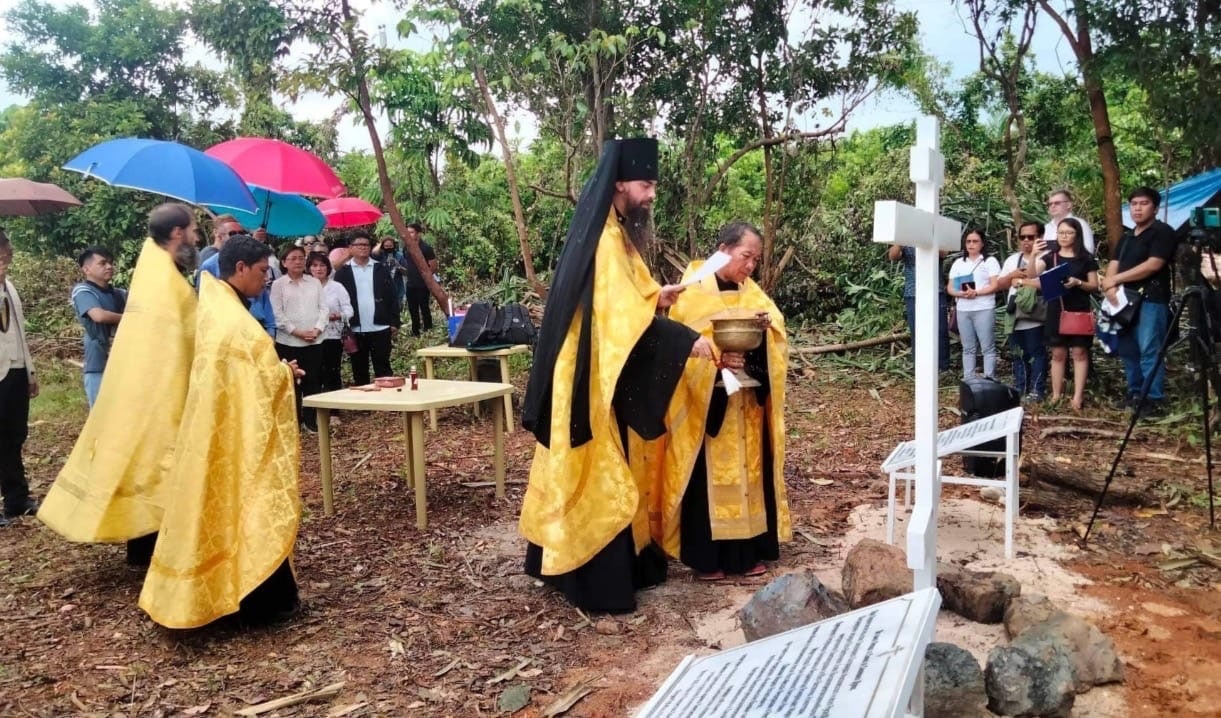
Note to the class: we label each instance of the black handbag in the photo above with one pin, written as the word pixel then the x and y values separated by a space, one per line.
pixel 1129 315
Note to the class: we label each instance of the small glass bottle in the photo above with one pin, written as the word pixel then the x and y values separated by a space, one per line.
pixel 415 379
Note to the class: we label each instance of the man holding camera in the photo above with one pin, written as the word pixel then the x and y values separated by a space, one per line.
pixel 1142 268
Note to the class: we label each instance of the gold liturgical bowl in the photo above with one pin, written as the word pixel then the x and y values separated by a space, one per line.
pixel 738 331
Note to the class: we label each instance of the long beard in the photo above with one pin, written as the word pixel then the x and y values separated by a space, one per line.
pixel 638 223
pixel 186 257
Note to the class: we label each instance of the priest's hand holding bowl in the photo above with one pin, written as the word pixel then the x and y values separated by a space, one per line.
pixel 734 361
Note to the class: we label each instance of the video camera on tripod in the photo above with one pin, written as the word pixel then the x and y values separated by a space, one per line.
pixel 1205 230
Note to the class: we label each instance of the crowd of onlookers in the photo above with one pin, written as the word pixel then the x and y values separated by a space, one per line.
pixel 319 297
pixel 1048 290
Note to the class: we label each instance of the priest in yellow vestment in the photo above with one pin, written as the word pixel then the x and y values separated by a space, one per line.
pixel 604 368
pixel 112 487
pixel 722 507
pixel 231 520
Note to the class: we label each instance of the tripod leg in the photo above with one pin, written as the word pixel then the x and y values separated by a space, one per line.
pixel 1207 369
pixel 1136 411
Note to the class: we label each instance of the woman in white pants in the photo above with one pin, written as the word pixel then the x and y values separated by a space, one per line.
pixel 973 282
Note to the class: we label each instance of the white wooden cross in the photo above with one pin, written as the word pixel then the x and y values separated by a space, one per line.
pixel 925 229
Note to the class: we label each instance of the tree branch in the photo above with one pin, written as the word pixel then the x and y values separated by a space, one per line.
pixel 834 129
pixel 552 193
pixel 1064 28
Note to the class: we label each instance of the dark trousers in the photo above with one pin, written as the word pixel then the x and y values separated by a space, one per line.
pixel 14 427
pixel 943 328
pixel 417 306
pixel 309 360
pixel 1029 361
pixel 332 355
pixel 375 346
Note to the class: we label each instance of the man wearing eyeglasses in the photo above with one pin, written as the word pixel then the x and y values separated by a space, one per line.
pixel 17 386
pixel 223 227
pixel 1060 207
pixel 260 306
pixel 1029 351
pixel 375 301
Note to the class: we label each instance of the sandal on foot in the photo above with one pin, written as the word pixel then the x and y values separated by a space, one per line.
pixel 714 576
pixel 759 569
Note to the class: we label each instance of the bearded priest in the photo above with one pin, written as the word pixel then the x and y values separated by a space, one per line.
pixel 604 369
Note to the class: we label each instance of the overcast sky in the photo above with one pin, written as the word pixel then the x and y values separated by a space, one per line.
pixel 943 29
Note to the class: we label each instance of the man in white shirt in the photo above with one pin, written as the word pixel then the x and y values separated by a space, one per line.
pixel 376 306
pixel 1029 352
pixel 1060 207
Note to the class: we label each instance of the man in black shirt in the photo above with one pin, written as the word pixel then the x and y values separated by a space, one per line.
pixel 417 291
pixel 1142 264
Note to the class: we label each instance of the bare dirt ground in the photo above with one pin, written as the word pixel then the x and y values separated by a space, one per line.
pixel 442 623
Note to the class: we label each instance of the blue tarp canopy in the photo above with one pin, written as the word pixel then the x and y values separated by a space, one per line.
pixel 1177 202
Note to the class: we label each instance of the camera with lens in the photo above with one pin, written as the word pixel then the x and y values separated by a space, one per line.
pixel 1205 231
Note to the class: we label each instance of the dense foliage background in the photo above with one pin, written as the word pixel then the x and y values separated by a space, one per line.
pixel 746 98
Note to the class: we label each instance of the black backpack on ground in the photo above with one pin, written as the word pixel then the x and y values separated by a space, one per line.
pixel 488 327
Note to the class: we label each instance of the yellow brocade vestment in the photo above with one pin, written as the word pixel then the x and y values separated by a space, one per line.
pixel 113 486
pixel 232 518
pixel 734 457
pixel 580 498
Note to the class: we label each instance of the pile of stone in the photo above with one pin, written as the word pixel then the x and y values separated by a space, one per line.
pixel 1052 656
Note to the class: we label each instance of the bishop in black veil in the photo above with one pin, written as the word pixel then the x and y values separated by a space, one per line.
pixel 605 367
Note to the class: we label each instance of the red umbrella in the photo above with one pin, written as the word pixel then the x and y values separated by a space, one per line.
pixel 278 166
pixel 24 198
pixel 348 212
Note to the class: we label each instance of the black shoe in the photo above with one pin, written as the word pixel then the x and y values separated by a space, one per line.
pixel 29 508
pixel 1153 409
pixel 4 521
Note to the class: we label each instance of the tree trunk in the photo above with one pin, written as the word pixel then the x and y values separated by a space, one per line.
pixel 1124 489
pixel 519 214
pixel 769 186
pixel 1092 80
pixel 379 155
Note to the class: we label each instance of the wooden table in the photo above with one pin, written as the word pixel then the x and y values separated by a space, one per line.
pixel 444 351
pixel 432 395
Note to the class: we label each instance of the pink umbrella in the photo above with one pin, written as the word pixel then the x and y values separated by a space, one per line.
pixel 278 166
pixel 348 212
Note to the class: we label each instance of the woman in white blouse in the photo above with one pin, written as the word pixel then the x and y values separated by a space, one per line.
pixel 339 311
pixel 973 282
pixel 299 304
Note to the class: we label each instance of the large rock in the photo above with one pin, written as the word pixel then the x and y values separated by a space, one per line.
pixel 789 602
pixel 1091 652
pixel 1025 611
pixel 953 683
pixel 978 595
pixel 875 572
pixel 1030 678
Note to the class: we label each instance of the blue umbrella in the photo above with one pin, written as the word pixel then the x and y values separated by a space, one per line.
pixel 167 168
pixel 284 215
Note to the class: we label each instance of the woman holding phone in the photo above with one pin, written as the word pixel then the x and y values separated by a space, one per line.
pixel 1081 281
pixel 973 282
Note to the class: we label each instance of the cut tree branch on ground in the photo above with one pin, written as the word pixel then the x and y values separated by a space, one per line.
pixel 295 699
pixel 849 346
pixel 1124 488
pixel 1080 431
